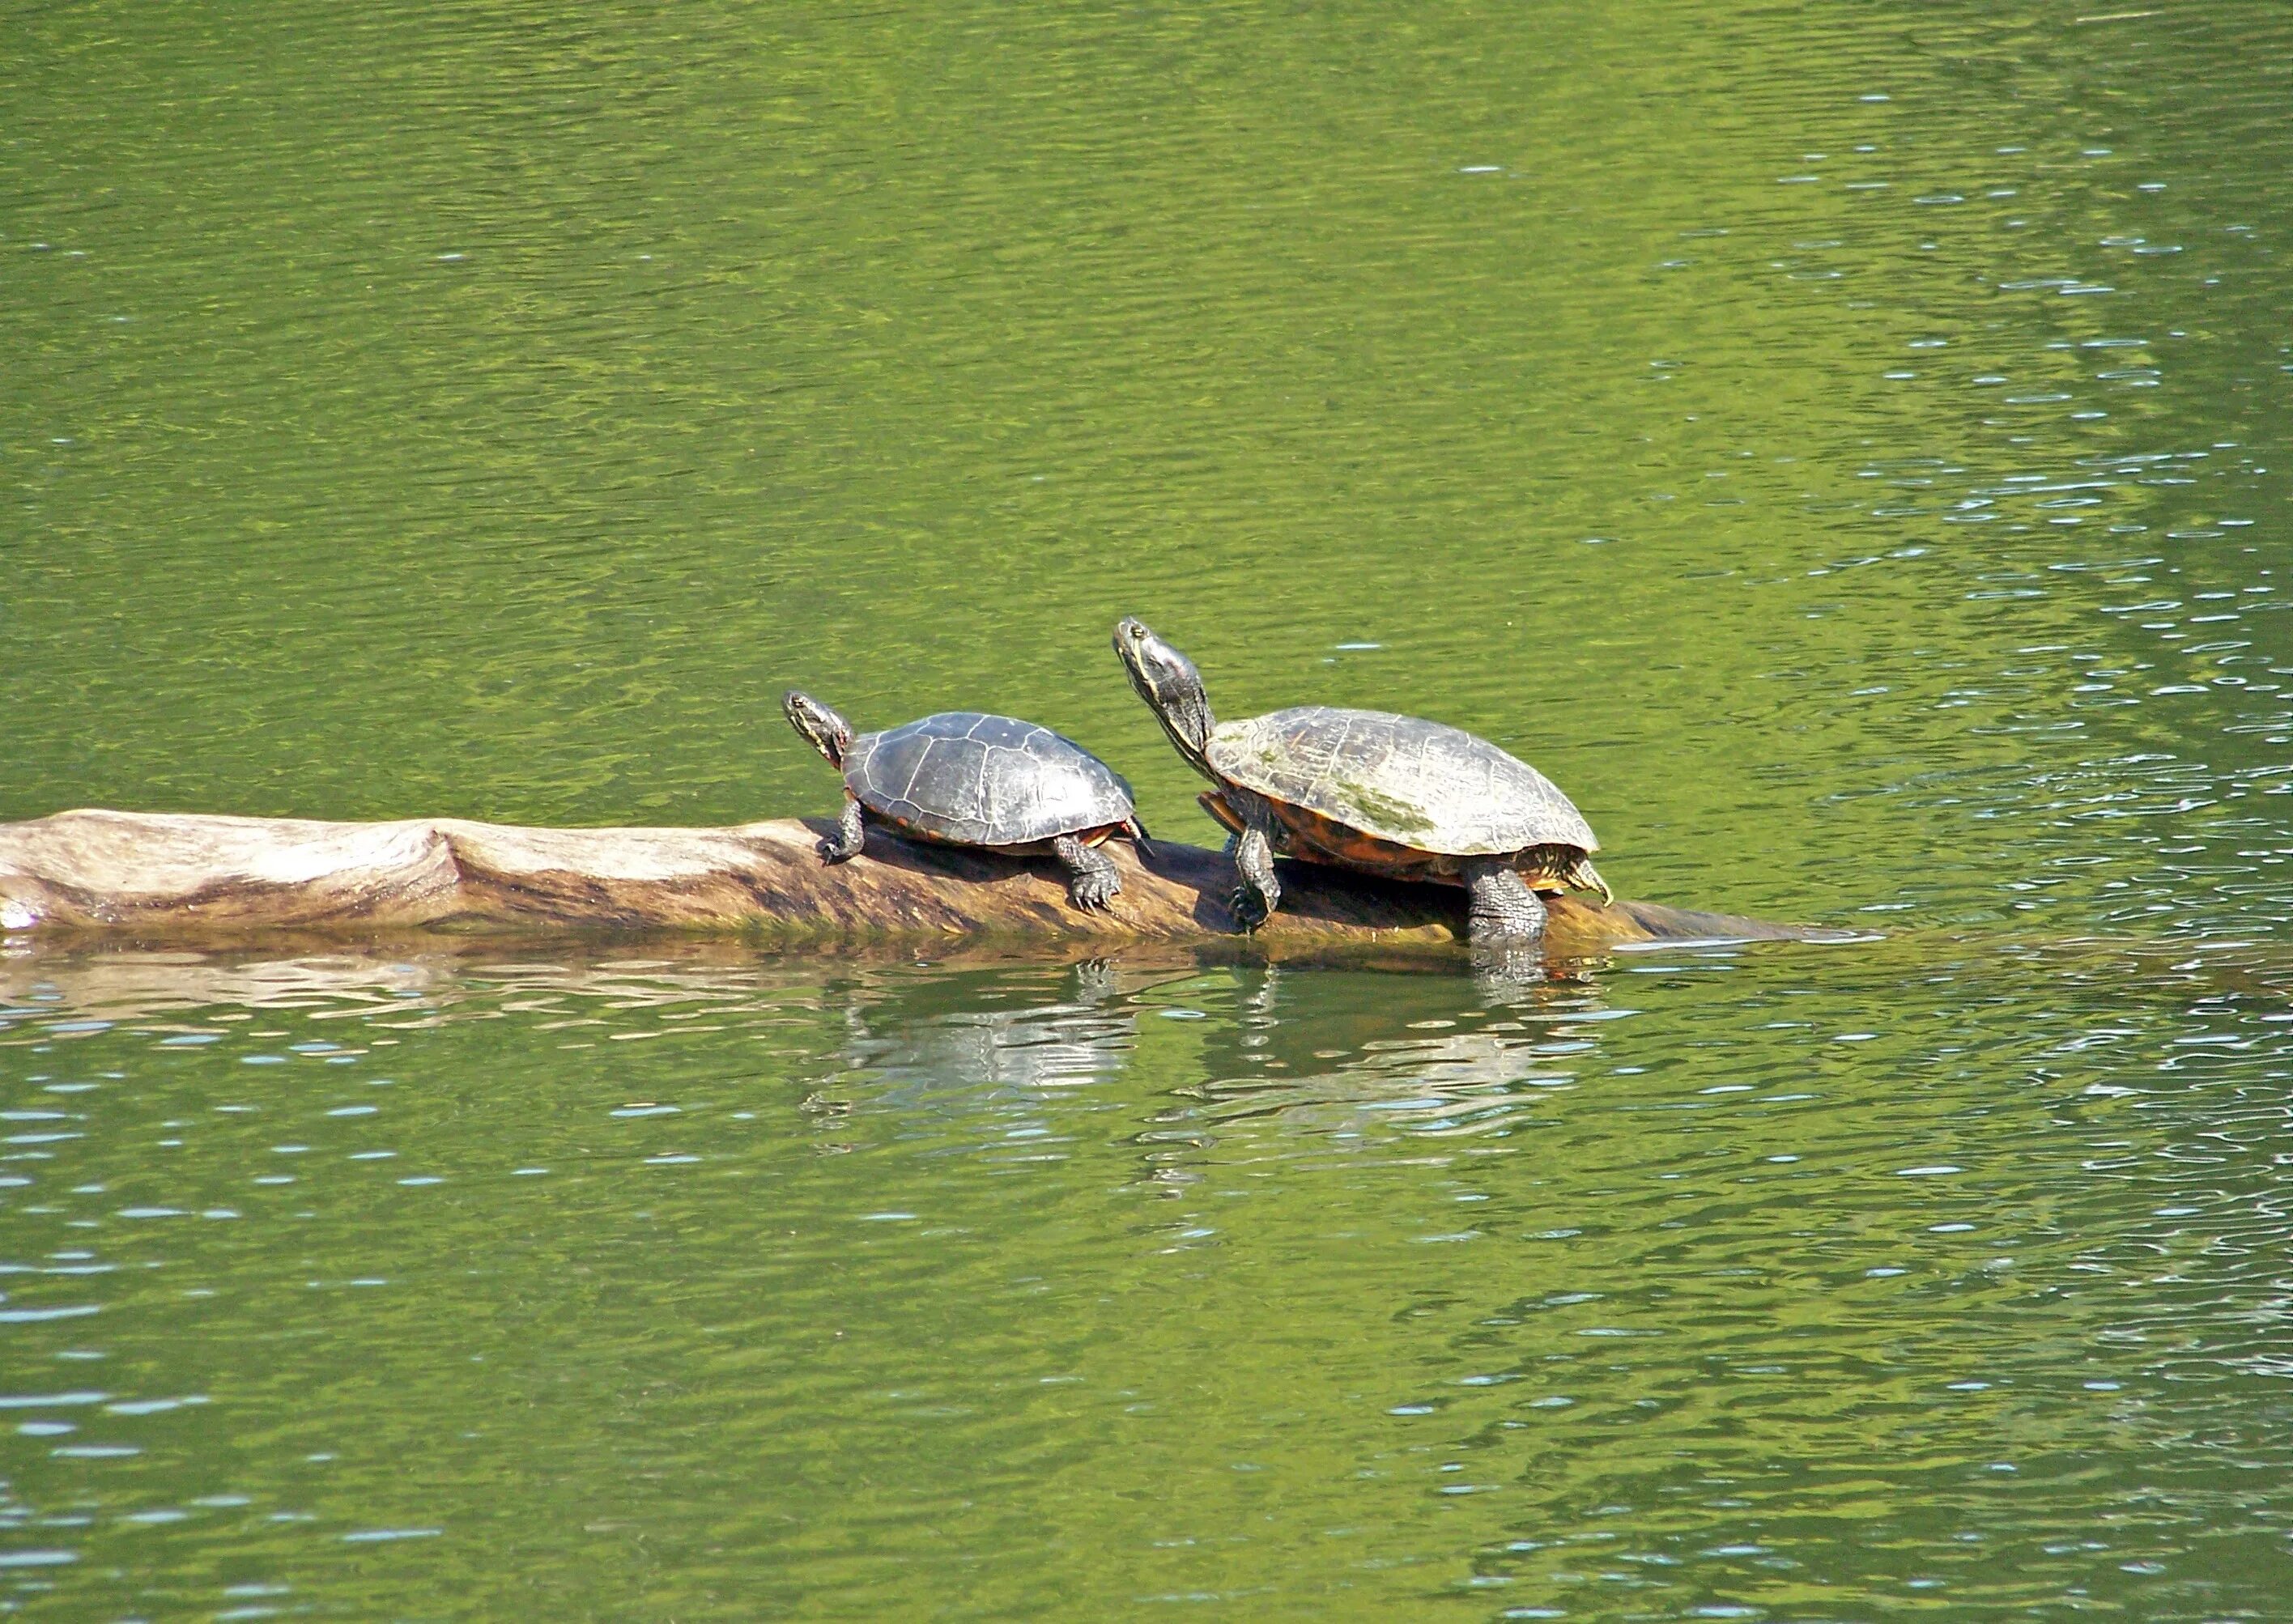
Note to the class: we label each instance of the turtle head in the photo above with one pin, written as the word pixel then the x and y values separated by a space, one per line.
pixel 1168 682
pixel 822 729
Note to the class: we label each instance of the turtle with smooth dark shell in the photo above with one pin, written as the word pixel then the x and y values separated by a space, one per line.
pixel 1366 789
pixel 966 779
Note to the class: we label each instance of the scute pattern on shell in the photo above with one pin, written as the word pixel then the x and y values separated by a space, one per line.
pixel 976 780
pixel 1402 778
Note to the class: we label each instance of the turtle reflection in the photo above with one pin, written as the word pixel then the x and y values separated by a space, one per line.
pixel 1018 1033
pixel 1359 1055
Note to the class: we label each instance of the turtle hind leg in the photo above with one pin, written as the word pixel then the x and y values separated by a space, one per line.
pixel 1260 893
pixel 1505 909
pixel 1092 878
pixel 850 836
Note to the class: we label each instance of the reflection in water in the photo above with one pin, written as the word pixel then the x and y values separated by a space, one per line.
pixel 1322 1049
pixel 989 1032
pixel 1713 1275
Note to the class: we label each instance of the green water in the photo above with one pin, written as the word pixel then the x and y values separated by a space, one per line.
pixel 1846 447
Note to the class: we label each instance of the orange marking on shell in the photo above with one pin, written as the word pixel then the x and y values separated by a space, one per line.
pixel 1214 804
pixel 1316 838
pixel 1320 839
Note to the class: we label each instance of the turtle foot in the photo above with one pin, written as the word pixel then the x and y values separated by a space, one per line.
pixel 1260 893
pixel 850 839
pixel 1093 892
pixel 1248 908
pixel 1092 880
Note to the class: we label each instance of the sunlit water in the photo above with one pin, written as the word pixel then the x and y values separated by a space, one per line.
pixel 1846 447
pixel 708 1285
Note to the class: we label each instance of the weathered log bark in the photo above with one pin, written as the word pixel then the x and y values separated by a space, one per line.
pixel 167 876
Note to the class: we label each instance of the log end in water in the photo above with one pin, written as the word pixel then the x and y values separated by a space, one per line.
pixel 171 876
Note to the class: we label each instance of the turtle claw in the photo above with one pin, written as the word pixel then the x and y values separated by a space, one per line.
pixel 832 853
pixel 1093 892
pixel 1248 908
pixel 1092 880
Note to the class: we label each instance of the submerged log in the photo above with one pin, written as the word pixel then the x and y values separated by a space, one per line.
pixel 169 876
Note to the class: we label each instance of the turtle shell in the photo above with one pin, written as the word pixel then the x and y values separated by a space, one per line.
pixel 975 779
pixel 1400 780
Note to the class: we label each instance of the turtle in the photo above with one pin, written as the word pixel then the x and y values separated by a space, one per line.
pixel 1370 790
pixel 964 777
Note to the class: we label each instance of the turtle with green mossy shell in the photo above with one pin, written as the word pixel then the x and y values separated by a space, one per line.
pixel 1369 790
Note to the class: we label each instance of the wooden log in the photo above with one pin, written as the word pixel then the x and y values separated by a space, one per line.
pixel 157 876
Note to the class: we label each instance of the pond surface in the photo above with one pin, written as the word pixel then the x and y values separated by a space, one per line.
pixel 1846 447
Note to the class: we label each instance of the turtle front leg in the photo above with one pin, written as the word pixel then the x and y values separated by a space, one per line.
pixel 1505 909
pixel 1092 878
pixel 1259 892
pixel 850 836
